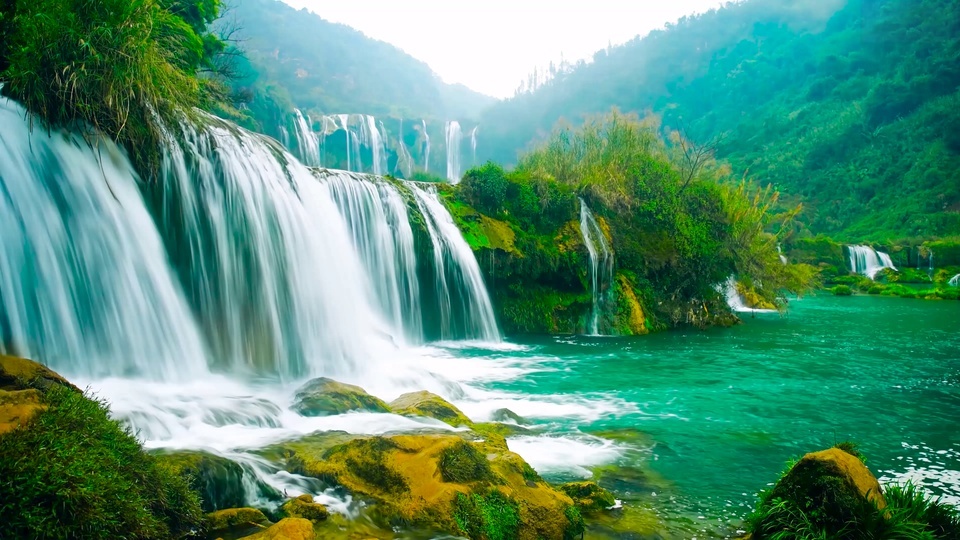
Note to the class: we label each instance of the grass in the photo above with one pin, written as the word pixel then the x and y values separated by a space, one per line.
pixel 73 472
pixel 462 463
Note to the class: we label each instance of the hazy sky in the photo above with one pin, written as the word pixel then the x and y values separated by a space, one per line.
pixel 491 45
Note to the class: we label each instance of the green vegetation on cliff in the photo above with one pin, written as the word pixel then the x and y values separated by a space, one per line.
pixel 677 233
pixel 850 106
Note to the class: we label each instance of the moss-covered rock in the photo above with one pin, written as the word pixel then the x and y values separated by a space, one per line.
pixel 218 480
pixel 17 407
pixel 291 528
pixel 445 483
pixel 427 404
pixel 235 518
pixel 20 373
pixel 588 496
pixel 506 415
pixel 304 507
pixel 323 396
pixel 630 317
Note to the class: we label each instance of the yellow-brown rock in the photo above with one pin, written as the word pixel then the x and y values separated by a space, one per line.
pixel 850 468
pixel 427 404
pixel 20 373
pixel 304 507
pixel 286 529
pixel 17 407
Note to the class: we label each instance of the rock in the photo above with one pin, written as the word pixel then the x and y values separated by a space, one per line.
pixel 21 374
pixel 828 489
pixel 323 396
pixel 506 415
pixel 304 507
pixel 17 407
pixel 445 483
pixel 218 480
pixel 286 529
pixel 424 403
pixel 236 521
pixel 588 496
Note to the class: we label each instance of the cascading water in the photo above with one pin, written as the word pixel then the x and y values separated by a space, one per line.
pixel 462 296
pixel 454 137
pixel 783 258
pixel 404 159
pixel 954 281
pixel 736 301
pixel 473 146
pixel 308 142
pixel 868 262
pixel 601 265
pixel 425 145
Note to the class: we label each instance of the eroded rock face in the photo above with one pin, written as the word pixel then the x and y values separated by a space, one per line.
pixel 427 404
pixel 323 397
pixel 446 483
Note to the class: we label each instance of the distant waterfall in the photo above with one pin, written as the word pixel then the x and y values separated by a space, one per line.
pixel 426 145
pixel 454 138
pixel 783 258
pixel 308 143
pixel 866 261
pixel 954 281
pixel 473 146
pixel 458 271
pixel 404 159
pixel 601 265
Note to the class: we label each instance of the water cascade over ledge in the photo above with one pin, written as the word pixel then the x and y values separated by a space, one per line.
pixel 454 138
pixel 866 261
pixel 601 265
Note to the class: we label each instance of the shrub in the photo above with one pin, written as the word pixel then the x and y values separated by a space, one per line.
pixel 73 472
pixel 842 290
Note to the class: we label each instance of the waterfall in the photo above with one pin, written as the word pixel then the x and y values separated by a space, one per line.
pixel 404 159
pixel 462 295
pixel 453 139
pixel 868 262
pixel 601 265
pixel 308 143
pixel 783 258
pixel 735 301
pixel 345 125
pixel 473 146
pixel 426 146
pixel 954 281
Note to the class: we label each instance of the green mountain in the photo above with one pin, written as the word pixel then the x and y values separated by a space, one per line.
pixel 332 68
pixel 850 107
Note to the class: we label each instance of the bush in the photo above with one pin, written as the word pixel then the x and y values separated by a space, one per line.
pixel 73 472
pixel 842 290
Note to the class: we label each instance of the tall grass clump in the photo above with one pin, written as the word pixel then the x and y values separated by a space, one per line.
pixel 73 472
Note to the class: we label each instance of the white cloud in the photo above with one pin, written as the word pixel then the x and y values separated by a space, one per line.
pixel 492 45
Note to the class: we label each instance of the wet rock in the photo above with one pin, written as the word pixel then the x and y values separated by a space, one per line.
pixel 304 507
pixel 427 404
pixel 588 496
pixel 323 397
pixel 218 480
pixel 236 522
pixel 506 415
pixel 286 529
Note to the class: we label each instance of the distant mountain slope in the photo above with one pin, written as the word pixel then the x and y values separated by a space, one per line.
pixel 852 107
pixel 333 68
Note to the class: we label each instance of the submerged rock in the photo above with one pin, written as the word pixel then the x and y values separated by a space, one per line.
pixel 236 522
pixel 506 415
pixel 588 496
pixel 445 483
pixel 218 480
pixel 323 396
pixel 427 404
pixel 304 507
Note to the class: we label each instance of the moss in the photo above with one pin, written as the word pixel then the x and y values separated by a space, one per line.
pixel 365 459
pixel 230 518
pixel 304 507
pixel 323 396
pixel 506 415
pixel 17 407
pixel 631 319
pixel 92 479
pixel 21 374
pixel 588 496
pixel 291 528
pixel 576 526
pixel 463 463
pixel 489 516
pixel 218 480
pixel 424 403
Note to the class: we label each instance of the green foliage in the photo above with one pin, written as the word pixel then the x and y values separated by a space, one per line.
pixel 110 64
pixel 852 106
pixel 942 520
pixel 73 472
pixel 851 448
pixel 576 527
pixel 490 516
pixel 842 290
pixel 462 463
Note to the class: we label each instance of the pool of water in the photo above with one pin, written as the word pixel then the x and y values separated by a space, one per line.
pixel 712 417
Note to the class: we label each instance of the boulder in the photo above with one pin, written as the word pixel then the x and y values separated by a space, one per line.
pixel 304 507
pixel 424 403
pixel 236 522
pixel 506 415
pixel 323 397
pixel 445 483
pixel 286 529
pixel 20 374
pixel 588 496
pixel 218 480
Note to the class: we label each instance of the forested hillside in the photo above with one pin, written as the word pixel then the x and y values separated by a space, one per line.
pixel 299 57
pixel 851 107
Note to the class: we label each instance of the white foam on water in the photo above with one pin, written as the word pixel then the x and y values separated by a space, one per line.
pixel 566 454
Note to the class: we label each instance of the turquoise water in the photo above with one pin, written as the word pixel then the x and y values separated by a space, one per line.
pixel 709 418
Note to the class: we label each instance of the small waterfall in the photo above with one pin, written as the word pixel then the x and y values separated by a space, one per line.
pixel 473 146
pixel 308 143
pixel 735 301
pixel 954 281
pixel 404 159
pixel 601 265
pixel 454 137
pixel 783 258
pixel 460 283
pixel 866 261
pixel 345 125
pixel 426 145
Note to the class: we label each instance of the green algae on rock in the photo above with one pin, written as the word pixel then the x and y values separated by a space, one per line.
pixel 427 404
pixel 291 528
pixel 234 518
pixel 588 496
pixel 323 396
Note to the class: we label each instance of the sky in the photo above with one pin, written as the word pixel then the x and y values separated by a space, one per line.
pixel 493 45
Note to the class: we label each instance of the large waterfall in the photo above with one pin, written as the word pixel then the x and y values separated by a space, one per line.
pixel 307 142
pixel 601 265
pixel 454 138
pixel 867 261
